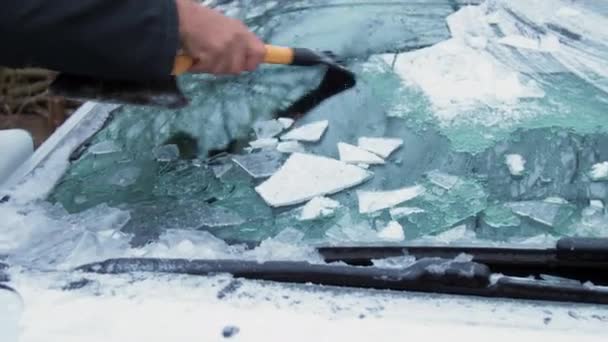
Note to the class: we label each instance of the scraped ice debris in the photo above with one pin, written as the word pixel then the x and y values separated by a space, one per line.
pixel 463 257
pixel 599 171
pixel 596 204
pixel 305 176
pixel 286 122
pixel 457 233
pixel 311 132
pixel 516 164
pixel 442 179
pixel 547 213
pixel 353 154
pixel 261 164
pixel 104 147
pixel 264 143
pixel 518 41
pixel 267 129
pixel 401 212
pixel 371 201
pixel 392 232
pixel 383 147
pixel 220 170
pixel 363 166
pixel 125 177
pixel 290 147
pixel 318 207
pixel 166 153
pixel 395 262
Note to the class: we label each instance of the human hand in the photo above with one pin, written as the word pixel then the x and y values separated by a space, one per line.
pixel 218 44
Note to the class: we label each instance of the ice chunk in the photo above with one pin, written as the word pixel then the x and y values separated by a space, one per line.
pixel 305 176
pixel 221 169
pixel 457 233
pixel 267 129
pixel 286 122
pixel 353 154
pixel 370 201
pixel 259 165
pixel 441 179
pixel 290 147
pixel 318 207
pixel 166 153
pixel 596 204
pixel 393 232
pixel 401 212
pixel 125 177
pixel 395 262
pixel 104 147
pixel 264 143
pixel 599 171
pixel 383 147
pixel 363 166
pixel 516 164
pixel 547 213
pixel 311 132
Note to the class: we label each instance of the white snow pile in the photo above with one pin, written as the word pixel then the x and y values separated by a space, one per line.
pixel 371 201
pixel 305 176
pixel 318 207
pixel 516 164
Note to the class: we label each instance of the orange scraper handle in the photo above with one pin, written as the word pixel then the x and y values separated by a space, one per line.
pixel 274 55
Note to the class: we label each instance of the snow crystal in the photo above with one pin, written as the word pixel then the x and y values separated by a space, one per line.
pixel 267 129
pixel 305 176
pixel 353 154
pixel 516 164
pixel 370 201
pixel 311 132
pixel 383 147
pixel 318 207
pixel 599 171
pixel 393 232
pixel 290 147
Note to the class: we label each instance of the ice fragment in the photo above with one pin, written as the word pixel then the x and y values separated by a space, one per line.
pixel 383 147
pixel 599 171
pixel 290 147
pixel 267 129
pixel 318 207
pixel 264 143
pixel 286 122
pixel 370 201
pixel 125 177
pixel 305 176
pixel 259 165
pixel 516 164
pixel 311 132
pixel 104 147
pixel 166 153
pixel 441 179
pixel 401 212
pixel 353 154
pixel 393 232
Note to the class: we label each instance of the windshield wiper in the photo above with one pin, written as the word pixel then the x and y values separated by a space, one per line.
pixel 426 274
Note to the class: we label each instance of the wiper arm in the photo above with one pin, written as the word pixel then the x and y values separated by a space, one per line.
pixel 425 275
pixel 584 259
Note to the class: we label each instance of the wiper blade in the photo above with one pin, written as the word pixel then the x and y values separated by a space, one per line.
pixel 426 275
pixel 584 259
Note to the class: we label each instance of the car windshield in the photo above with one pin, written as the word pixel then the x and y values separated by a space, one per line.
pixel 472 122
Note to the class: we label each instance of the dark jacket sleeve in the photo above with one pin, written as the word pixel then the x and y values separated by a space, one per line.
pixel 124 39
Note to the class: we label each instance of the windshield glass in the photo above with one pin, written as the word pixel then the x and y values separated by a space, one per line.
pixel 471 122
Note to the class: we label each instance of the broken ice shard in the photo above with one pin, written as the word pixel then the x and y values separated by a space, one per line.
pixel 547 213
pixel 104 147
pixel 305 176
pixel 318 207
pixel 290 147
pixel 441 179
pixel 267 129
pixel 166 153
pixel 125 177
pixel 383 147
pixel 286 122
pixel 259 165
pixel 311 132
pixel 267 143
pixel 354 155
pixel 370 201
pixel 393 231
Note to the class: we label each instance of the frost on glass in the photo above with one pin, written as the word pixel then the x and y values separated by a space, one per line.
pixel 477 124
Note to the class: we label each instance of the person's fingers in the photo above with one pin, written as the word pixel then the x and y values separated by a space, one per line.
pixel 238 59
pixel 256 51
